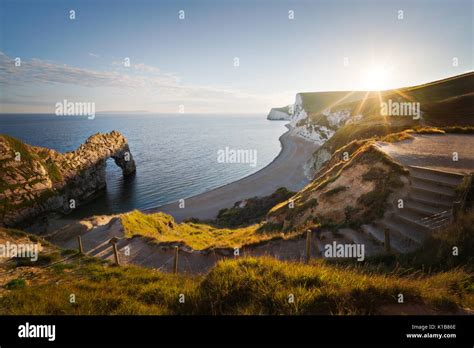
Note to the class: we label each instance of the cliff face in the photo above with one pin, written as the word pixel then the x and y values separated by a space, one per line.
pixel 342 116
pixel 36 180
pixel 279 114
pixel 315 117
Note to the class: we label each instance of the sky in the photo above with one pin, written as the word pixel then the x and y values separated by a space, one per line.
pixel 190 64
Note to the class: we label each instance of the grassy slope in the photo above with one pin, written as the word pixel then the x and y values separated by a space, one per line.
pixel 162 228
pixel 370 205
pixel 245 286
pixel 431 279
pixel 444 103
pixel 317 102
pixel 233 227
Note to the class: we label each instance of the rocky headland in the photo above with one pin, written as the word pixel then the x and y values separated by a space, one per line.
pixel 35 181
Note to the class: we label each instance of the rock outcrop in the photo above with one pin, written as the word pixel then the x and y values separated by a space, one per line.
pixel 35 180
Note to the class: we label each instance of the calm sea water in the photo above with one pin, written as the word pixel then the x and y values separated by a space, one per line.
pixel 176 155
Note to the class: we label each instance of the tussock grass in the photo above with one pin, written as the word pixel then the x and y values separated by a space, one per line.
pixel 264 285
pixel 244 286
pixel 100 289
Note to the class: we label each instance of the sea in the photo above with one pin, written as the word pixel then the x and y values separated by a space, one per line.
pixel 177 155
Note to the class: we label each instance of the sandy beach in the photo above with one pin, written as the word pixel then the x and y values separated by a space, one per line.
pixel 286 170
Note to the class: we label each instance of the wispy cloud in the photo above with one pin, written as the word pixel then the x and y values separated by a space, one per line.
pixel 148 82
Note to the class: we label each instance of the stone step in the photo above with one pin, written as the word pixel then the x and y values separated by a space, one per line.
pixel 371 247
pixel 378 234
pixel 427 199
pixel 411 235
pixel 432 187
pixel 437 220
pixel 435 181
pixel 423 208
pixel 443 177
pixel 427 194
pixel 411 218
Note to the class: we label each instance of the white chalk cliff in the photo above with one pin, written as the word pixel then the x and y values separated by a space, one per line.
pixel 316 129
pixel 279 114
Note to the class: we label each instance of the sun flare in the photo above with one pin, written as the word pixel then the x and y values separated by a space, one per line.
pixel 376 78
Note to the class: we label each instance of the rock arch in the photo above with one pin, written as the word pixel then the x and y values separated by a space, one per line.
pixel 46 180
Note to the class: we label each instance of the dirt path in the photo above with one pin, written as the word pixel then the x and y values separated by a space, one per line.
pixel 286 170
pixel 435 152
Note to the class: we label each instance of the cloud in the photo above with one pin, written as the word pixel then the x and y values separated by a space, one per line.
pixel 140 81
pixel 41 71
pixel 94 55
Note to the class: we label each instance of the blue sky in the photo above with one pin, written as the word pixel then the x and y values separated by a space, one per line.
pixel 190 62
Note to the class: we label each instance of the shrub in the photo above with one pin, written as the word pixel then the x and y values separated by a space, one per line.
pixel 15 284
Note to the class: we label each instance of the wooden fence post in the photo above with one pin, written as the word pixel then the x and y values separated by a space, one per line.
pixel 175 263
pixel 308 245
pixel 116 255
pixel 81 248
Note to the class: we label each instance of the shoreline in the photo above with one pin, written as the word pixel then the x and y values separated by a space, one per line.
pixel 286 170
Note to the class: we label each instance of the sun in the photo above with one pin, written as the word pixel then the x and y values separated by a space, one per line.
pixel 376 78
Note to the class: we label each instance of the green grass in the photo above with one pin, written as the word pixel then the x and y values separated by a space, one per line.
pixel 247 285
pixel 22 148
pixel 244 286
pixel 162 228
pixel 15 284
pixel 263 285
pixel 101 290
pixel 53 171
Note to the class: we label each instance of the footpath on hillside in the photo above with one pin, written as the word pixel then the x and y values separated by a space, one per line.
pixel 431 151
